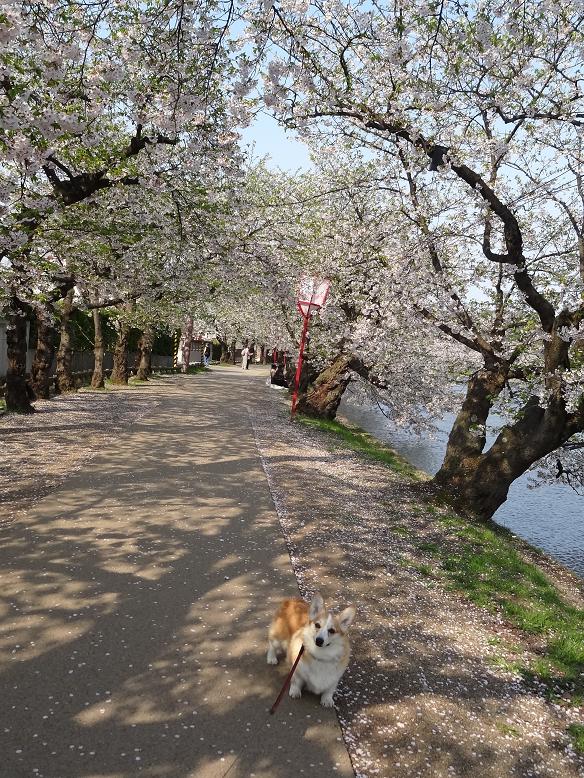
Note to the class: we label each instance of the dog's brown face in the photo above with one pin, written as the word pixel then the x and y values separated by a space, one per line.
pixel 326 627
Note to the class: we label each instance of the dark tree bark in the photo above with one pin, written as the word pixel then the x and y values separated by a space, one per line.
pixel 98 377
pixel 322 398
pixel 478 483
pixel 18 393
pixel 145 354
pixel 308 375
pixel 468 434
pixel 481 482
pixel 40 374
pixel 233 351
pixel 120 370
pixel 186 344
pixel 224 356
pixel 65 382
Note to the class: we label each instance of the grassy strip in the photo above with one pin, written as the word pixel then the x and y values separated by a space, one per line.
pixel 577 733
pixel 358 440
pixel 485 563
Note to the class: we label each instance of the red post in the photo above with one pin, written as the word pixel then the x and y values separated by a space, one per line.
pixel 299 365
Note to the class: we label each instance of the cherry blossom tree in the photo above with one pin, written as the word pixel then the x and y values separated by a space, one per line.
pixel 336 222
pixel 96 98
pixel 474 113
pixel 451 223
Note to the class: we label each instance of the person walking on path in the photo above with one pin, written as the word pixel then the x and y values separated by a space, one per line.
pixel 244 358
pixel 207 354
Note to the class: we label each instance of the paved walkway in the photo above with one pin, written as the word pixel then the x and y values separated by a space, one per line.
pixel 135 601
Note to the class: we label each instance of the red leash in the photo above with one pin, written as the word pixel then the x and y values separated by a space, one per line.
pixel 287 681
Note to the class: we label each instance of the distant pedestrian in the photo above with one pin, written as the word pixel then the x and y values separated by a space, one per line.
pixel 207 355
pixel 244 358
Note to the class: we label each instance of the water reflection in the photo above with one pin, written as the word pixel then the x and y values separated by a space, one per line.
pixel 550 517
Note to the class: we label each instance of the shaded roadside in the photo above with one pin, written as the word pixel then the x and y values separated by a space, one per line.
pixel 39 451
pixel 427 693
pixel 136 594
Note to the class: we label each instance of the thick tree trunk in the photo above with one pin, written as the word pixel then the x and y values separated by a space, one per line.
pixel 120 367
pixel 482 483
pixel 98 377
pixel 224 356
pixel 233 351
pixel 308 375
pixel 145 354
pixel 40 374
pixel 65 382
pixel 469 432
pixel 478 483
pixel 187 340
pixel 18 393
pixel 322 398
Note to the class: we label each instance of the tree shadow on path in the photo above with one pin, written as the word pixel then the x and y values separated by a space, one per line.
pixel 135 601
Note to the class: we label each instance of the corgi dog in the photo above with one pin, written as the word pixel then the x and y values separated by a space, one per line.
pixel 326 645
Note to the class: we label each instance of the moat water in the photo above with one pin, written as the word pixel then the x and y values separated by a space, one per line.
pixel 550 517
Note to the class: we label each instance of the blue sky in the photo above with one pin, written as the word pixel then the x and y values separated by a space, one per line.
pixel 269 138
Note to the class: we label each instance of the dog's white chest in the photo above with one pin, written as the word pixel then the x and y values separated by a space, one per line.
pixel 320 676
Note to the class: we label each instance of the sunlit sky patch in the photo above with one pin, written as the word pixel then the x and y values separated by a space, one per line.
pixel 268 138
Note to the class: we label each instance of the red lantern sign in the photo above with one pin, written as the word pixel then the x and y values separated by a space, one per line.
pixel 312 294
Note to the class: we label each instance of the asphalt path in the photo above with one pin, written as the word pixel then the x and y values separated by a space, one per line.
pixel 134 604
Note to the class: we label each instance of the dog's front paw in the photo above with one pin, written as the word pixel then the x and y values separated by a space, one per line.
pixel 295 691
pixel 327 701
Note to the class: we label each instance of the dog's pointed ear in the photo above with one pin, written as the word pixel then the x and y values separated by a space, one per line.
pixel 316 606
pixel 346 618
